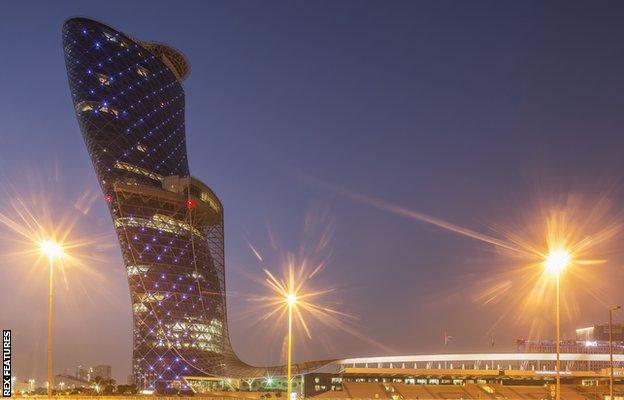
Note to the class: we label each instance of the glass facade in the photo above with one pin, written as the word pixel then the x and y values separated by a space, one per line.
pixel 129 103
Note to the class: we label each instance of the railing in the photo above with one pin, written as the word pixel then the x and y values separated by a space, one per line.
pixel 150 397
pixel 239 396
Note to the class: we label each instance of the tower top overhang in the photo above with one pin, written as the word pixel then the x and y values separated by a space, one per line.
pixel 173 58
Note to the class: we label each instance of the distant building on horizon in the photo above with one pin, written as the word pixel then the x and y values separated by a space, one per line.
pixel 600 332
pixel 24 387
pixel 102 371
pixel 83 373
pixel 591 340
pixel 68 382
pixel 88 374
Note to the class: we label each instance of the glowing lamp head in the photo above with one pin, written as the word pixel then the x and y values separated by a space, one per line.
pixel 51 249
pixel 291 299
pixel 556 261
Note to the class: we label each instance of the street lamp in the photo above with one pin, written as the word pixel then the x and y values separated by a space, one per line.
pixel 291 301
pixel 52 250
pixel 611 309
pixel 555 263
pixel 291 294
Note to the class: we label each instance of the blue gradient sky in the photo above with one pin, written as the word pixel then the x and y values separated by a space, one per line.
pixel 468 112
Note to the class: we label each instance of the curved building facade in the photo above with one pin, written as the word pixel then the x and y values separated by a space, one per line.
pixel 129 102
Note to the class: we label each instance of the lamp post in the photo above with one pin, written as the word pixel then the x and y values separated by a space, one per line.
pixel 558 393
pixel 611 309
pixel 555 263
pixel 50 374
pixel 52 250
pixel 291 300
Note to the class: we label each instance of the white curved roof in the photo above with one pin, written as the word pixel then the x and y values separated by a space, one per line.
pixel 482 357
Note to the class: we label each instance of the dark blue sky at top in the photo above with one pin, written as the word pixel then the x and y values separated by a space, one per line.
pixel 461 110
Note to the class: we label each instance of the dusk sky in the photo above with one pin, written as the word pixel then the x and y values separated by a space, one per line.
pixel 474 113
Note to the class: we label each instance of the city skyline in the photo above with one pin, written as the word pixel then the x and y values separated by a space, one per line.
pixel 479 146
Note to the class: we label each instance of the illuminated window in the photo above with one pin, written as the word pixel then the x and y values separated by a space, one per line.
pixel 141 148
pixel 85 106
pixel 158 222
pixel 191 334
pixel 206 198
pixel 110 37
pixel 137 269
pixel 138 170
pixel 109 110
pixel 104 80
pixel 138 308
pixel 94 106
pixel 196 275
pixel 149 297
pixel 142 71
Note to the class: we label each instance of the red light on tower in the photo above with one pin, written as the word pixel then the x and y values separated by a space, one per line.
pixel 108 198
pixel 190 204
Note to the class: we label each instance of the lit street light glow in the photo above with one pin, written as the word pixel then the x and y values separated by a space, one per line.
pixel 557 261
pixel 51 249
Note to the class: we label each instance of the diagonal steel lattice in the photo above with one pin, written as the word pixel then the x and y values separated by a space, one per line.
pixel 129 102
